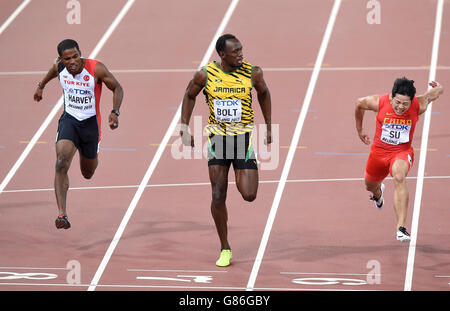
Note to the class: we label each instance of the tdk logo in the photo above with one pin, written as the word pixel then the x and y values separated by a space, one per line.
pixel 79 92
pixel 229 102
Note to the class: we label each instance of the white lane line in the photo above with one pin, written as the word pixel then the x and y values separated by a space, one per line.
pixel 293 146
pixel 275 69
pixel 324 273
pixel 355 68
pixel 423 152
pixel 209 184
pixel 169 287
pixel 32 268
pixel 21 73
pixel 14 15
pixel 183 271
pixel 157 156
pixel 59 104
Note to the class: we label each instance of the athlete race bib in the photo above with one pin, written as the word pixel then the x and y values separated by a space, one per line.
pixel 395 134
pixel 228 110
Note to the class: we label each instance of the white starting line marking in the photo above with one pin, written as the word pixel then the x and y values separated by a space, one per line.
pixel 175 271
pixel 322 273
pixel 118 286
pixel 208 184
pixel 32 268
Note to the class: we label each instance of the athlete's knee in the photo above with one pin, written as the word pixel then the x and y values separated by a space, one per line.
pixel 88 167
pixel 87 174
pixel 370 186
pixel 219 195
pixel 399 177
pixel 62 163
pixel 249 196
pixel 399 171
pixel 88 171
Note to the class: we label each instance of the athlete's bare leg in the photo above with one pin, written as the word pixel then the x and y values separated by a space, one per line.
pixel 374 187
pixel 401 196
pixel 88 166
pixel 247 183
pixel 218 176
pixel 65 150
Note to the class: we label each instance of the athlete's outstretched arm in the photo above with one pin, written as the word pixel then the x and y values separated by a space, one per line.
pixel 363 104
pixel 104 75
pixel 51 74
pixel 430 96
pixel 264 100
pixel 194 87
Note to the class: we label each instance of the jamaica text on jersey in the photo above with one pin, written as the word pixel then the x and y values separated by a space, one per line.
pixel 229 98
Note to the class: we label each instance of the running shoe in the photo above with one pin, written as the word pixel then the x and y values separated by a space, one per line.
pixel 224 259
pixel 62 222
pixel 403 235
pixel 379 201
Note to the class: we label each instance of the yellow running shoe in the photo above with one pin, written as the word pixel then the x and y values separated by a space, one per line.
pixel 224 259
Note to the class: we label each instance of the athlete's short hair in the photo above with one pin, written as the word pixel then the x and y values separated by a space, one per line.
pixel 221 42
pixel 404 86
pixel 67 44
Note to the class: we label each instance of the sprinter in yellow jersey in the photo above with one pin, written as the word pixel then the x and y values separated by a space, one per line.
pixel 227 86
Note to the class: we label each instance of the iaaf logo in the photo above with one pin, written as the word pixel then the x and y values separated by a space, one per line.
pixel 267 156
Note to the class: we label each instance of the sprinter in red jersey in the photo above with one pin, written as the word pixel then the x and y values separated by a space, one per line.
pixel 391 151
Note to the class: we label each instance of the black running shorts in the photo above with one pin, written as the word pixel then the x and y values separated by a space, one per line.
pixel 236 150
pixel 84 134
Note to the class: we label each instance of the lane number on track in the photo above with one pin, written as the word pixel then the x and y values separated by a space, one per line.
pixel 372 277
pixel 180 278
pixel 27 275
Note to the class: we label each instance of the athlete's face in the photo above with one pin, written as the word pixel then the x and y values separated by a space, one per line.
pixel 71 58
pixel 233 53
pixel 400 103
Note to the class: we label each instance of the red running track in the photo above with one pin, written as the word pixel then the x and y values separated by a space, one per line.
pixel 325 234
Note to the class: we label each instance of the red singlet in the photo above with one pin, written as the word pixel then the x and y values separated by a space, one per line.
pixel 393 137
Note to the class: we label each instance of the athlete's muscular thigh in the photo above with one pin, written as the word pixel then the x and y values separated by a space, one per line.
pixel 247 183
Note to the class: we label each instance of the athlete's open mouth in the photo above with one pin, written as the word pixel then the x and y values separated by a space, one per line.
pixel 73 68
